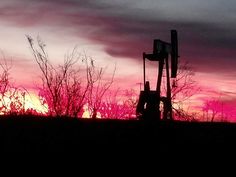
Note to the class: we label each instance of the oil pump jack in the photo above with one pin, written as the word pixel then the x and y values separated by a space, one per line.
pixel 149 103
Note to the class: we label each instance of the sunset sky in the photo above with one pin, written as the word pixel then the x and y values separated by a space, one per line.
pixel 119 31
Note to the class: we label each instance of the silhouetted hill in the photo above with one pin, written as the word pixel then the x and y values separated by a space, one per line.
pixel 27 133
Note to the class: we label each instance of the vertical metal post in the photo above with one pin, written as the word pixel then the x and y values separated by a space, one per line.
pixel 144 72
pixel 160 70
pixel 168 93
pixel 158 88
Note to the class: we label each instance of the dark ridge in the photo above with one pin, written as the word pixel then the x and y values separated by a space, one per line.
pixel 35 133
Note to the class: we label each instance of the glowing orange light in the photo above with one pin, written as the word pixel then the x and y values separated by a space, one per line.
pixel 32 101
pixel 87 112
pixel 20 103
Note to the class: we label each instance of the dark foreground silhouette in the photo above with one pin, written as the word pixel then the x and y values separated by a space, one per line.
pixel 59 134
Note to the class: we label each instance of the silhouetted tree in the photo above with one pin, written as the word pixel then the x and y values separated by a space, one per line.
pixel 119 105
pixel 66 89
pixel 4 85
pixel 212 109
pixel 215 109
pixel 12 99
pixel 98 86
pixel 183 88
pixel 62 86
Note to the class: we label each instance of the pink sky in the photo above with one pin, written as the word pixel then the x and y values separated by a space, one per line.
pixel 117 32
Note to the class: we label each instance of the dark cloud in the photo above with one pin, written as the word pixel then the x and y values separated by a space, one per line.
pixel 126 33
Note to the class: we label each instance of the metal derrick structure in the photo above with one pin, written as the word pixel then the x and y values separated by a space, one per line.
pixel 148 107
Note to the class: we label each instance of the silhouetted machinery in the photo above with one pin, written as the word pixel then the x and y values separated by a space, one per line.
pixel 149 104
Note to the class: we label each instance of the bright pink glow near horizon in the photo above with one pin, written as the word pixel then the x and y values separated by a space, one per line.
pixel 116 33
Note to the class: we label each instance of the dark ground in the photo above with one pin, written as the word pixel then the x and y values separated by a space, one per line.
pixel 62 134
